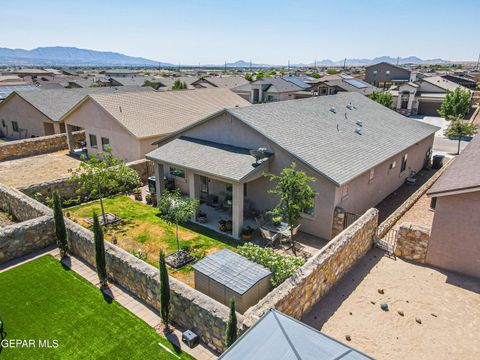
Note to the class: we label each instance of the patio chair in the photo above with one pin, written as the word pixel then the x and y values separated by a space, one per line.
pixel 271 238
pixel 260 220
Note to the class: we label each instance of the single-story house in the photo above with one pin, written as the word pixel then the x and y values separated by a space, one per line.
pixel 357 150
pixel 454 242
pixel 127 123
pixel 271 89
pixel 228 82
pixel 278 336
pixel 422 97
pixel 464 80
pixel 332 84
pixel 120 72
pixel 27 113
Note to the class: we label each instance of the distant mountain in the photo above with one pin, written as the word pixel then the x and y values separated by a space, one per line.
pixel 71 56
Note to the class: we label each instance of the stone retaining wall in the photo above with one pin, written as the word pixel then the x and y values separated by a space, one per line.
pixel 412 242
pixel 389 222
pixel 36 146
pixel 298 294
pixel 190 308
pixel 22 207
pixel 26 237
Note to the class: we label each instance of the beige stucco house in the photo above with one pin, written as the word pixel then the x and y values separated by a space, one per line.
pixel 455 235
pixel 357 150
pixel 127 123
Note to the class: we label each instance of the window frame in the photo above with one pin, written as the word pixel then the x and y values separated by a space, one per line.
pixel 105 147
pixel 15 126
pixel 371 175
pixel 90 137
pixel 403 165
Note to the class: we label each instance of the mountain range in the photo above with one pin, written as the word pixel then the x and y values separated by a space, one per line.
pixel 71 56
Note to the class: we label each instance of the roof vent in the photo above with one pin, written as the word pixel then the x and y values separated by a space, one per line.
pixel 358 130
pixel 120 108
pixel 359 123
pixel 332 109
pixel 349 106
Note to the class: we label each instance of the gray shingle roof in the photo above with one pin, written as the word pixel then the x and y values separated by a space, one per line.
pixel 228 162
pixel 55 103
pixel 463 174
pixel 232 270
pixel 278 336
pixel 327 141
pixel 276 84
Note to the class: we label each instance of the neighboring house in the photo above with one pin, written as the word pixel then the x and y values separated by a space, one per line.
pixel 28 113
pixel 33 73
pixel 120 73
pixel 357 150
pixel 422 97
pixel 228 82
pixel 128 123
pixel 464 81
pixel 6 90
pixel 271 89
pixel 333 84
pixel 455 235
pixel 278 336
pixel 383 75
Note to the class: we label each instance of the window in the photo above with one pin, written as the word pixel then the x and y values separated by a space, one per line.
pixel 3 123
pixel 433 203
pixel 374 72
pixel 393 165
pixel 387 72
pixel 345 192
pixel 311 210
pixel 177 172
pixel 371 176
pixel 93 141
pixel 106 144
pixel 15 126
pixel 404 163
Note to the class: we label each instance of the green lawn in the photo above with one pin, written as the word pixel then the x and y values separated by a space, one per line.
pixel 43 300
pixel 142 229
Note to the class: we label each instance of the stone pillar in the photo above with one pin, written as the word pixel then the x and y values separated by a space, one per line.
pixel 237 209
pixel 159 181
pixel 70 141
pixel 338 221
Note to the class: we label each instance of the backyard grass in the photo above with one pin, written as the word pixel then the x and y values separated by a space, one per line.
pixel 143 231
pixel 42 300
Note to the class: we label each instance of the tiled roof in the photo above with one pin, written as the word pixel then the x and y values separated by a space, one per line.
pixel 463 174
pixel 232 270
pixel 159 113
pixel 328 141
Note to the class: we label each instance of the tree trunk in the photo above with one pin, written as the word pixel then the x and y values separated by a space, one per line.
pixel 293 241
pixel 103 212
pixel 459 141
pixel 176 234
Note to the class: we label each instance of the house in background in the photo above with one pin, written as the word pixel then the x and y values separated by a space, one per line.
pixel 384 75
pixel 271 89
pixel 278 336
pixel 422 97
pixel 127 123
pixel 333 84
pixel 465 80
pixel 228 82
pixel 25 114
pixel 454 242
pixel 357 150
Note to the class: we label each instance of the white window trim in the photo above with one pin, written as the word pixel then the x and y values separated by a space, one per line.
pixel 371 175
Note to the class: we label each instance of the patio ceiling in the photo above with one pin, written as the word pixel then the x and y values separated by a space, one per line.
pixel 222 161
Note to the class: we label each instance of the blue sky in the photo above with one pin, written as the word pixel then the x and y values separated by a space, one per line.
pixel 265 31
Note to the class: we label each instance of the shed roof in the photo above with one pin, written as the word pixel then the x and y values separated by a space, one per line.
pixel 232 270
pixel 278 336
pixel 464 173
pixel 327 141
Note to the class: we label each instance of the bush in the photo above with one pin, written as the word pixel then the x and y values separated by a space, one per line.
pixel 282 266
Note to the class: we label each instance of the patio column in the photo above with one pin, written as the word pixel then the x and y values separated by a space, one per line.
pixel 159 181
pixel 237 209
pixel 191 188
pixel 70 138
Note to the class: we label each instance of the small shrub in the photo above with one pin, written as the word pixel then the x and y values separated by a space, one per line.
pixel 139 253
pixel 282 266
pixel 231 331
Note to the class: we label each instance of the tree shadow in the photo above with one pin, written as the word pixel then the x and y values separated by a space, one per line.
pixel 107 293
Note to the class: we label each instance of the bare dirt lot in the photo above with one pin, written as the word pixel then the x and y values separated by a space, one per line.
pixel 36 169
pixel 441 311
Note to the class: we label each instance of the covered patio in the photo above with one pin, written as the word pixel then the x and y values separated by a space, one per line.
pixel 217 175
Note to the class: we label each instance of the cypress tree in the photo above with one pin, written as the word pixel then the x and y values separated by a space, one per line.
pixel 231 333
pixel 164 291
pixel 60 230
pixel 99 250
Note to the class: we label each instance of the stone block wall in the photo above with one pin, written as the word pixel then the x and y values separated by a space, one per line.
pixel 143 167
pixel 412 242
pixel 190 308
pixel 36 146
pixel 22 207
pixel 298 294
pixel 338 221
pixel 26 237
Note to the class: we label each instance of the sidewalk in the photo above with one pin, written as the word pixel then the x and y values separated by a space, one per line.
pixel 120 295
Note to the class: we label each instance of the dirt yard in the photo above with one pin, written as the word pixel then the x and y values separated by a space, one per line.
pixel 441 311
pixel 35 169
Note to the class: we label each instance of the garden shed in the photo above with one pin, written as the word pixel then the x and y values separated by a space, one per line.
pixel 225 275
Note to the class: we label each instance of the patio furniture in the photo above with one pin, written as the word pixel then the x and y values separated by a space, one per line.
pixel 272 238
pixel 202 217
pixel 287 236
pixel 212 200
pixel 275 228
pixel 260 220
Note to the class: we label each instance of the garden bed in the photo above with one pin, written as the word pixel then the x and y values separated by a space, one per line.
pixel 143 233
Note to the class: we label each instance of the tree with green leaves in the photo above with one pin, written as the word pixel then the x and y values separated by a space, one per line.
pixel 260 75
pixel 384 98
pixel 316 75
pixel 249 77
pixel 59 222
pixel 459 128
pixel 103 174
pixel 331 71
pixel 100 263
pixel 164 291
pixel 179 85
pixel 231 332
pixel 456 104
pixel 176 209
pixel 295 195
